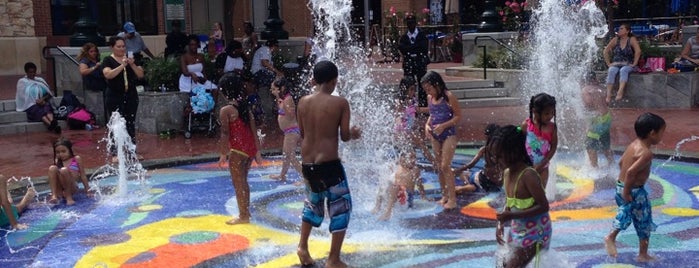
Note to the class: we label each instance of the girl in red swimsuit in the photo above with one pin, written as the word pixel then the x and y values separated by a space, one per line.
pixel 238 142
pixel 65 172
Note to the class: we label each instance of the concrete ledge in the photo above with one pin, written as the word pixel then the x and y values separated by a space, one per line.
pixel 662 90
pixel 651 90
pixel 159 111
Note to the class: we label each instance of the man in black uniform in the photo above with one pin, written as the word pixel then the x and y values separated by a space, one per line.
pixel 414 47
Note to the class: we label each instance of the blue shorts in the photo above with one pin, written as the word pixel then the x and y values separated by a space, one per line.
pixel 638 211
pixel 337 197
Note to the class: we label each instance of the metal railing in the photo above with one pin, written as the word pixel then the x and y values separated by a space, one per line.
pixel 485 54
pixel 46 53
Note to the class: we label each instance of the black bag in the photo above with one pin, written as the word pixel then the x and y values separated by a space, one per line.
pixel 67 105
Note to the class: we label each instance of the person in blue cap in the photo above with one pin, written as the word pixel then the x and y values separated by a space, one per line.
pixel 134 42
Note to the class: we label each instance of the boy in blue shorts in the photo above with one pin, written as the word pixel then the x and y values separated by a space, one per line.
pixel 631 197
pixel 320 117
pixel 9 213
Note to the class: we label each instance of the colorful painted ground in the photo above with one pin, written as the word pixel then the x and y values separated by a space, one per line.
pixel 177 219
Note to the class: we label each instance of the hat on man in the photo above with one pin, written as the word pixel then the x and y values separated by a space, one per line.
pixel 129 27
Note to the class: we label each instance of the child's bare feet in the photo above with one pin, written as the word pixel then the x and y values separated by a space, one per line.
pixel 53 200
pixel 386 216
pixel 238 221
pixel 278 177
pixel 442 201
pixel 645 258
pixel 610 245
pixel 449 205
pixel 304 257
pixel 70 201
pixel 29 196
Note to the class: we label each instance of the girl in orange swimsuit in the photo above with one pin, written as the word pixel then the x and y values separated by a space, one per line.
pixel 65 172
pixel 238 142
pixel 281 89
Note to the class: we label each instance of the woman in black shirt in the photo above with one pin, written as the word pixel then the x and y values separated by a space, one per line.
pixel 122 73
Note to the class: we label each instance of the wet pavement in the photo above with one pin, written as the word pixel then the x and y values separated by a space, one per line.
pixel 169 221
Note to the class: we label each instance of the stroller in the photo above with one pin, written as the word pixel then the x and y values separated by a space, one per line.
pixel 199 114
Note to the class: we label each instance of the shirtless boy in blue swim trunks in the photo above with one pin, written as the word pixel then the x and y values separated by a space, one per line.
pixel 320 117
pixel 631 197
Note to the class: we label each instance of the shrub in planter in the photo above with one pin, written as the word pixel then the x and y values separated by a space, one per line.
pixel 163 71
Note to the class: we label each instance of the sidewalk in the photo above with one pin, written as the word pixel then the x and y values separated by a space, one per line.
pixel 31 154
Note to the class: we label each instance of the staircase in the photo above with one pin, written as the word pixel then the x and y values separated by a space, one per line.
pixel 481 93
pixel 13 122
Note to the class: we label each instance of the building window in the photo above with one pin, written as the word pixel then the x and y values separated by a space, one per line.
pixel 109 15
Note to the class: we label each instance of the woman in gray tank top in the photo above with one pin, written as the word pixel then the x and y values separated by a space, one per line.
pixel 690 52
pixel 626 52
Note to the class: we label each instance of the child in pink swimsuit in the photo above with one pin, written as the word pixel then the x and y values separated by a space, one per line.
pixel 281 89
pixel 542 133
pixel 65 172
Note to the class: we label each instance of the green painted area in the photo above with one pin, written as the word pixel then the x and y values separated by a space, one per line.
pixel 194 237
pixel 135 218
pixel 37 230
pixel 467 151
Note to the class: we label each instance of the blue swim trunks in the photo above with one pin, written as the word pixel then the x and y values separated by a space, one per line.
pixel 638 211
pixel 327 184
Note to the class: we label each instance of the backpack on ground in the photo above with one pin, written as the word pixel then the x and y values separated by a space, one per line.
pixel 68 103
pixel 79 118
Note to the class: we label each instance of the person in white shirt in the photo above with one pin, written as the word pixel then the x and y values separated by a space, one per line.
pixel 264 73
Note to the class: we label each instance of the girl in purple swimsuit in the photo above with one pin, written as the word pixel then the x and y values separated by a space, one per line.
pixel 281 89
pixel 65 172
pixel 441 126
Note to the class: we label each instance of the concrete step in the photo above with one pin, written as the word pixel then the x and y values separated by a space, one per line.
pixel 12 117
pixel 490 102
pixel 26 127
pixel 10 105
pixel 468 84
pixel 7 105
pixel 475 93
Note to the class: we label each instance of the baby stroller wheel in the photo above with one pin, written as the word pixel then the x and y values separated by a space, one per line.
pixel 187 135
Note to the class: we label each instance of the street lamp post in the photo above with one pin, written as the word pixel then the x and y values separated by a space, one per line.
pixel 274 29
pixel 491 20
pixel 85 29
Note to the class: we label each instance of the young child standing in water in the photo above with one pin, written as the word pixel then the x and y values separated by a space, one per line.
pixel 526 206
pixel 541 133
pixel 65 172
pixel 9 213
pixel 441 126
pixel 631 196
pixel 408 132
pixel 287 122
pixel 598 138
pixel 407 176
pixel 323 118
pixel 238 142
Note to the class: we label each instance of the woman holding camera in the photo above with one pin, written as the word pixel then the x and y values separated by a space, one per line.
pixel 122 74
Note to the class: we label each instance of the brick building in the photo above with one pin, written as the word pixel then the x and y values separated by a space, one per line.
pixel 29 26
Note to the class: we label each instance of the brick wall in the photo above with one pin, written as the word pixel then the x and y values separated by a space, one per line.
pixel 42 17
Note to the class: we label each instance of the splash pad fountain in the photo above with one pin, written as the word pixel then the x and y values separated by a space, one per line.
pixel 180 219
